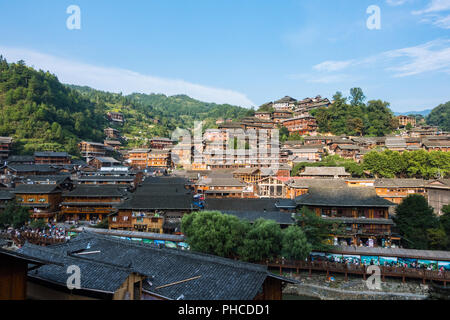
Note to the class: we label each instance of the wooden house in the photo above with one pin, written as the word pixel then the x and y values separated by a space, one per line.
pixel 42 200
pixel 395 190
pixel 364 214
pixel 90 202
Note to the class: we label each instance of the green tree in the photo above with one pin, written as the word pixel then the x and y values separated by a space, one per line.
pixel 38 224
pixel 14 216
pixel 413 218
pixel 295 245
pixel 440 116
pixel 214 233
pixel 444 220
pixel 262 241
pixel 318 231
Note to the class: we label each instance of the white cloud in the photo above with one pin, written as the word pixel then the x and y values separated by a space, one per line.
pixel 435 6
pixel 330 66
pixel 121 80
pixel 395 3
pixel 434 13
pixel 428 57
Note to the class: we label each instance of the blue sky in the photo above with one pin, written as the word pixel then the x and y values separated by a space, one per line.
pixel 244 52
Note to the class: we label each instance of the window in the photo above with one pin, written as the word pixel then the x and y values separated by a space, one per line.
pixel 30 199
pixel 114 219
pixel 125 218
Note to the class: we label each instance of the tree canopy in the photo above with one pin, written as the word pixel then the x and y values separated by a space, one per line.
pixel 416 222
pixel 440 116
pixel 356 118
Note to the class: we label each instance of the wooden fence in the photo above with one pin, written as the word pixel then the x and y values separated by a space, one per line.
pixel 386 271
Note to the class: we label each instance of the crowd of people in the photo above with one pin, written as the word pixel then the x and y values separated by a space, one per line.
pixel 49 233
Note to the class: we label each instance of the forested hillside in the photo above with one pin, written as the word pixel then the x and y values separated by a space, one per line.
pixel 440 116
pixel 42 114
pixel 352 116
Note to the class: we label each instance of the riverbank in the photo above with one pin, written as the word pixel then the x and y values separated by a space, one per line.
pixel 355 288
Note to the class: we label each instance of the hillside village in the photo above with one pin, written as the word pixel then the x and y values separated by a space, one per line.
pixel 240 168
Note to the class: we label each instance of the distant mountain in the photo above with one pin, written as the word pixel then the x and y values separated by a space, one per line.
pixel 423 113
pixel 41 113
pixel 440 116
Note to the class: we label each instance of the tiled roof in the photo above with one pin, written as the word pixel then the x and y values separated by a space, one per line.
pixel 97 276
pixel 342 197
pixel 218 278
pixel 399 183
pixel 158 202
pixel 36 189
pixel 6 195
pixel 32 168
pixel 51 154
pixel 95 191
pixel 324 171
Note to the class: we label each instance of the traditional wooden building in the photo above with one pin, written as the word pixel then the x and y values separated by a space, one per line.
pixel 155 274
pixel 364 214
pixel 137 158
pixel 303 125
pixel 42 200
pixel 223 186
pixel 285 104
pixel 13 273
pixel 436 145
pixel 112 133
pixel 116 117
pixel 396 144
pixel 324 172
pixel 6 196
pixel 161 143
pixel 90 203
pixel 159 159
pixel 21 170
pixel 404 120
pixel 438 192
pixel 347 151
pixel 395 190
pixel 115 144
pixel 296 187
pixel 103 162
pixel 91 150
pixel 263 115
pixel 5 147
pixel 248 175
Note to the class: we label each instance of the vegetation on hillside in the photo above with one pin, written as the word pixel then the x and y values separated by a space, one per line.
pixel 354 117
pixel 42 114
pixel 389 164
pixel 440 116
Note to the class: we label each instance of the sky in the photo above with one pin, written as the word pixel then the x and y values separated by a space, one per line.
pixel 242 52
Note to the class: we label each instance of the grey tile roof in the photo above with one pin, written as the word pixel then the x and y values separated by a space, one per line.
pixel 342 197
pixel 158 202
pixel 32 168
pixel 324 171
pixel 399 183
pixel 51 154
pixel 318 183
pixel 6 195
pixel 219 278
pixel 255 205
pixel 36 189
pixel 95 275
pixel 95 191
